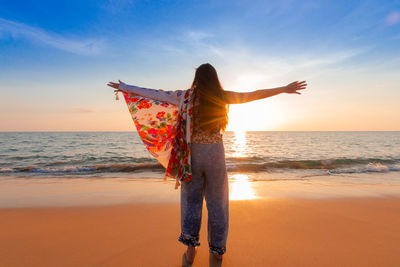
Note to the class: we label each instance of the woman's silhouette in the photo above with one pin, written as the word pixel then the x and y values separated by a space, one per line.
pixel 209 176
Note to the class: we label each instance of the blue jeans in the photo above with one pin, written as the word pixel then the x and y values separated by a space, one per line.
pixel 209 179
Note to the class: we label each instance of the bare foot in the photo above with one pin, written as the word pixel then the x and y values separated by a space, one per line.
pixel 217 256
pixel 190 254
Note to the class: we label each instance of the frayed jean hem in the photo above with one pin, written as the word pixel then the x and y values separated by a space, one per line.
pixel 217 250
pixel 188 240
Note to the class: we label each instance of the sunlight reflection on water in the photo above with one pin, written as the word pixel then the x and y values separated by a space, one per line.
pixel 240 186
pixel 240 143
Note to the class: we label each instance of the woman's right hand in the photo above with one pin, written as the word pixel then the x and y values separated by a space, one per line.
pixel 115 85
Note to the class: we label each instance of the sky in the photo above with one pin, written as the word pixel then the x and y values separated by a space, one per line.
pixel 56 58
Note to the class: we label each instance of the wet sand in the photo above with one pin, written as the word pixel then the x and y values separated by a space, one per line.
pixel 263 232
pixel 18 192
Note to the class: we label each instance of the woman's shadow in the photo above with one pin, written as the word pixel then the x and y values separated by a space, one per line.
pixel 213 262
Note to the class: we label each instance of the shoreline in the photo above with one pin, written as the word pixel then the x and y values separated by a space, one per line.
pixel 83 191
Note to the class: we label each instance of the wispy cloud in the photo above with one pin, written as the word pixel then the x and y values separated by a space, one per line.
pixel 206 44
pixel 246 67
pixel 393 18
pixel 203 40
pixel 197 36
pixel 81 110
pixel 76 46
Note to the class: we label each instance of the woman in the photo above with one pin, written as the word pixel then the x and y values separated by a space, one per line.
pixel 206 175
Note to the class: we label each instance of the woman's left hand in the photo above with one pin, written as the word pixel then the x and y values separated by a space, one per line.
pixel 293 87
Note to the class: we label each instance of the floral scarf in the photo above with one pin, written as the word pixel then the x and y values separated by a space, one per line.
pixel 165 130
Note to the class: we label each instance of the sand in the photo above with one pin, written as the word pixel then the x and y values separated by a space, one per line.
pixel 263 232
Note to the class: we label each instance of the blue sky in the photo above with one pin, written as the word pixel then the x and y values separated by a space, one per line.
pixel 57 56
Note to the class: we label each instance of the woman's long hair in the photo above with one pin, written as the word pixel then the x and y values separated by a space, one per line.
pixel 213 110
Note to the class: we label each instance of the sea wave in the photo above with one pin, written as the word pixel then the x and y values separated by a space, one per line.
pixel 104 168
pixel 247 165
pixel 257 164
pixel 371 167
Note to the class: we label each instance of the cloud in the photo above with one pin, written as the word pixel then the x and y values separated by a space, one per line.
pixel 246 66
pixel 76 46
pixel 205 44
pixel 197 36
pixel 393 18
pixel 200 39
pixel 81 110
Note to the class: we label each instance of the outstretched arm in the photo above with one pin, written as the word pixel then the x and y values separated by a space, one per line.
pixel 171 97
pixel 238 98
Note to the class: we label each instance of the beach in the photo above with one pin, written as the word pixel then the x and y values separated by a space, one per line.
pixel 105 229
pixel 296 199
pixel 278 232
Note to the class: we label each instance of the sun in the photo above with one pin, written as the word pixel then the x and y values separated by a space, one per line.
pixel 261 115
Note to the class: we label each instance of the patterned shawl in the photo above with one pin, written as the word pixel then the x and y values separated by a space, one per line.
pixel 163 128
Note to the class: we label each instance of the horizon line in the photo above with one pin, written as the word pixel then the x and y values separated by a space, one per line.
pixel 84 131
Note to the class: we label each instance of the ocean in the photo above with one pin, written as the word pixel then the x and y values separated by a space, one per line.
pixel 260 155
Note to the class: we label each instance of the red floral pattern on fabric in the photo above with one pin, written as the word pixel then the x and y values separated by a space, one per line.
pixel 154 123
pixel 163 130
